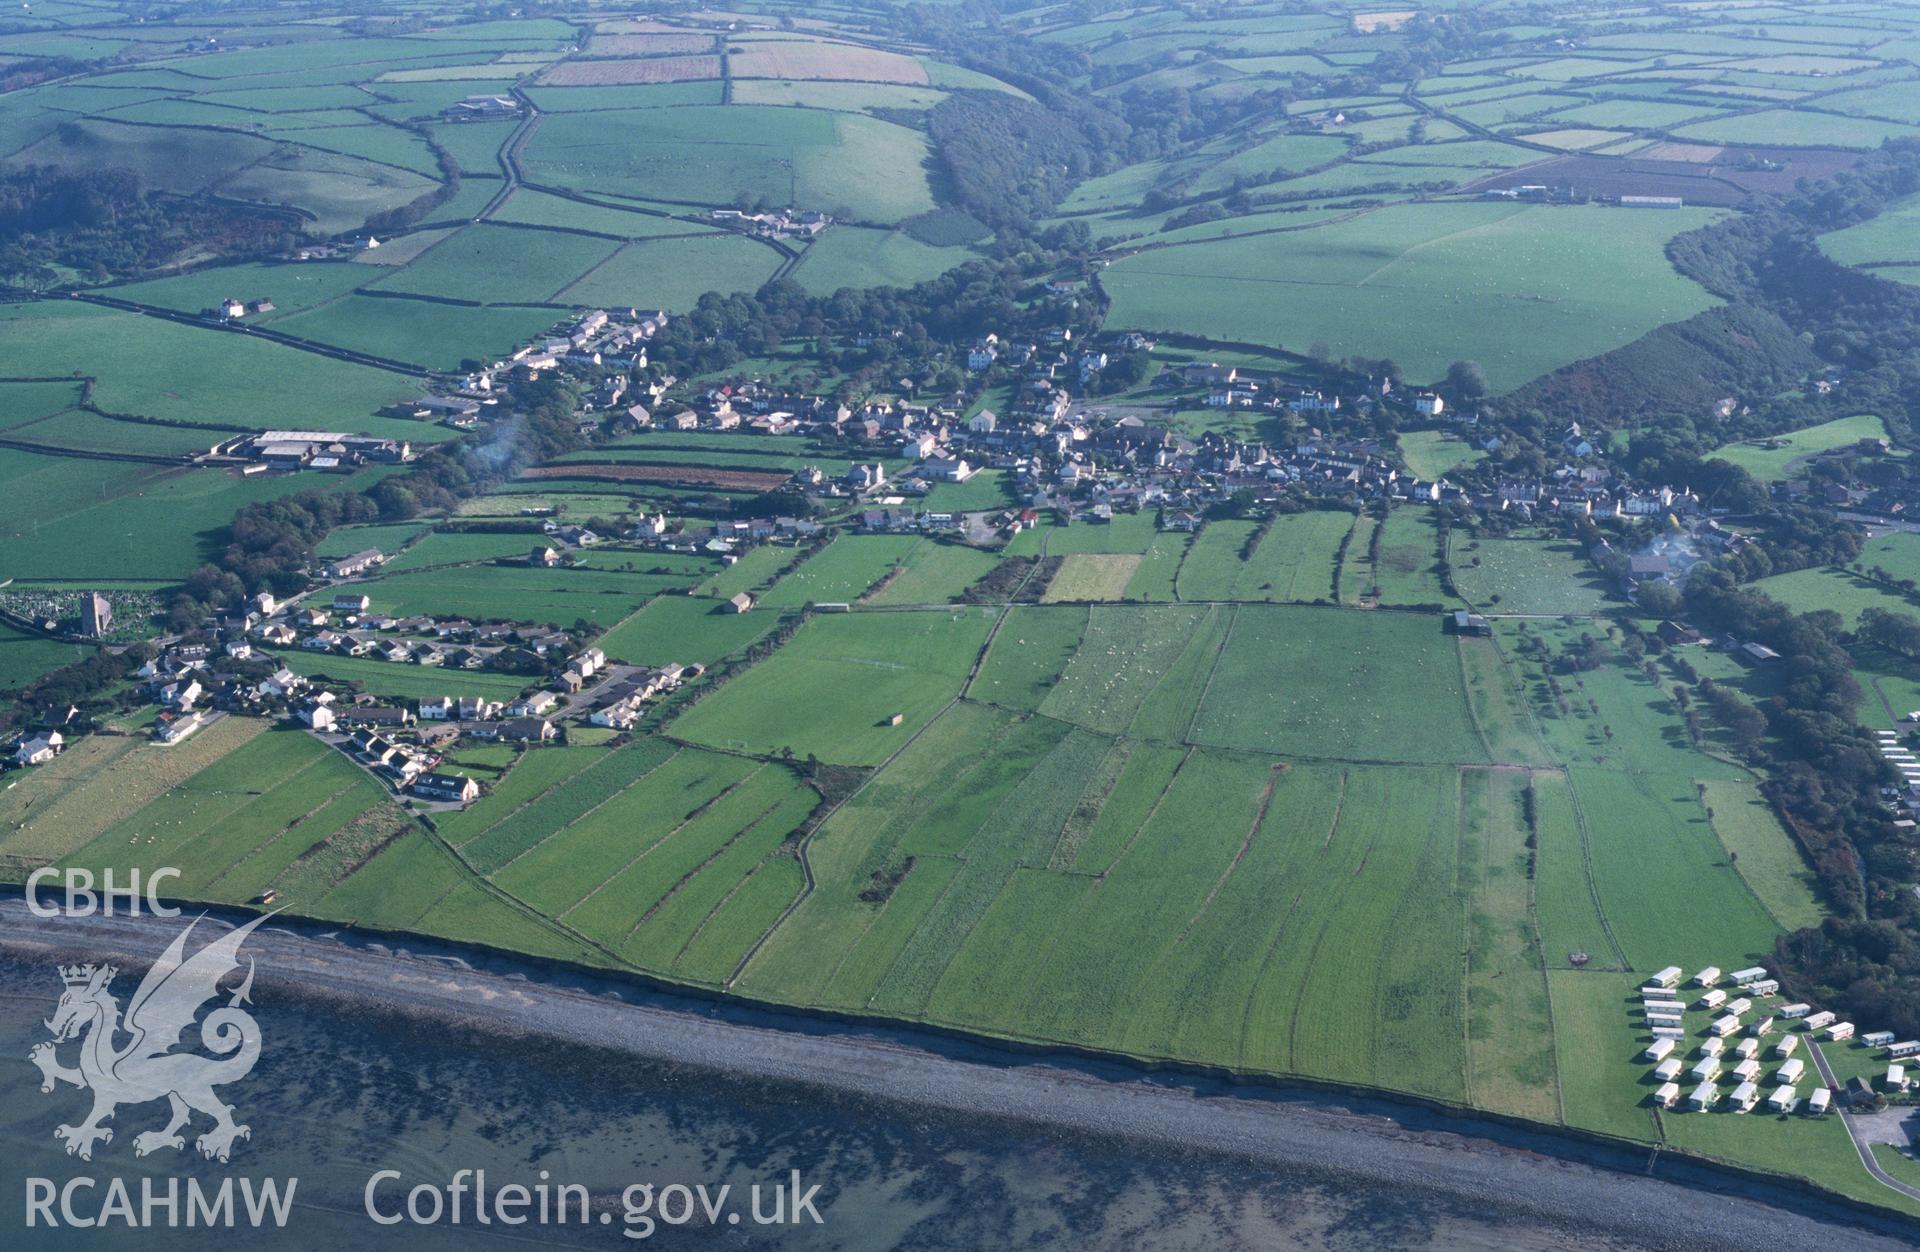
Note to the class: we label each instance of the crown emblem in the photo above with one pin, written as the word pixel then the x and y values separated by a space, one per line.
pixel 80 975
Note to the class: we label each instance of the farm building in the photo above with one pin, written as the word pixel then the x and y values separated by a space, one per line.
pixel 1704 1097
pixel 740 603
pixel 1782 1100
pixel 1744 1097
pixel 1819 1102
pixel 1471 624
pixel 1708 976
pixel 1791 1071
pixel 1668 977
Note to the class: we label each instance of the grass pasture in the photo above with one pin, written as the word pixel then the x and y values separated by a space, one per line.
pixel 1780 457
pixel 831 690
pixel 1401 270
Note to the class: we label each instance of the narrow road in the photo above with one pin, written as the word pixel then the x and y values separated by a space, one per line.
pixel 1861 1144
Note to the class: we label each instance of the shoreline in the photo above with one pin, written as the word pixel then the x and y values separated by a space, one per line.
pixel 1562 1179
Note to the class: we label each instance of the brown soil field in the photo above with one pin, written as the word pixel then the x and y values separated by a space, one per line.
pixel 622 73
pixel 649 45
pixel 824 62
pixel 667 475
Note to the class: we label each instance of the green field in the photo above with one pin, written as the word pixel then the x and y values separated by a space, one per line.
pixel 831 690
pixel 1403 291
pixel 1780 457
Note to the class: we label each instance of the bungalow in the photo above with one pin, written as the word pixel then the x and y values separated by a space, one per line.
pixel 453 788
pixel 740 603
pixel 1472 624
pixel 526 730
pixel 352 602
pixel 171 728
pixel 375 715
pixel 311 619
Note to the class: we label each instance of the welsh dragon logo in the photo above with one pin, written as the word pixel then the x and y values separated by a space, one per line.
pixel 146 1067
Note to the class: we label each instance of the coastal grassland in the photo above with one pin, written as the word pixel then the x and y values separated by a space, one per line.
pixel 690 630
pixel 1763 852
pixel 520 593
pixel 1664 882
pixel 1510 1063
pixel 1594 706
pixel 841 572
pixel 152 368
pixel 831 689
pixel 1331 683
pixel 1086 576
pixel 63 806
pixel 1159 566
pixel 1030 651
pixel 935 572
pixel 1527 576
pixel 416 883
pixel 1407 568
pixel 1394 283
pixel 1565 899
pixel 1778 458
pixel 237 822
pixel 1293 561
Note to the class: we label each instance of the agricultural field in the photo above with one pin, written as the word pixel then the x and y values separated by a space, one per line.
pixel 1236 797
pixel 834 688
pixel 1397 271
pixel 1780 457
